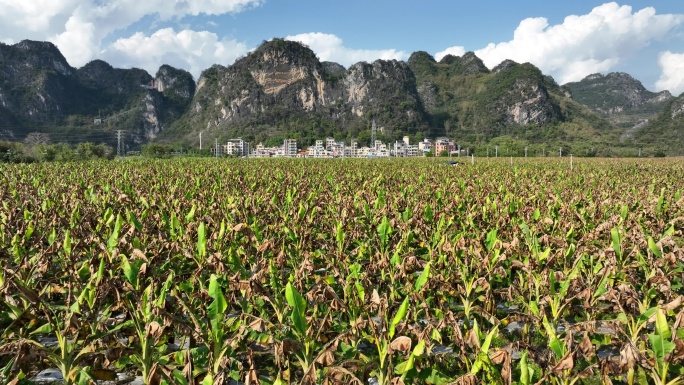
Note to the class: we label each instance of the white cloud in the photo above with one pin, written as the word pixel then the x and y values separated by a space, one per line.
pixel 581 45
pixel 672 77
pixel 78 27
pixel 18 18
pixel 455 51
pixel 191 50
pixel 329 47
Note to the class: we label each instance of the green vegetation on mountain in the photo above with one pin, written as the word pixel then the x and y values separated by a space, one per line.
pixel 620 98
pixel 41 93
pixel 665 133
pixel 513 104
pixel 282 90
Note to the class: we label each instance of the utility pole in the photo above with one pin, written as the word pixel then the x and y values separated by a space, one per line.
pixel 200 140
pixel 525 151
pixel 560 152
pixel 119 142
pixel 217 148
pixel 497 151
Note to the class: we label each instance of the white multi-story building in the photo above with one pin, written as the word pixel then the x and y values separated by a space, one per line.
pixel 236 147
pixel 290 148
pixel 413 150
pixel 399 149
pixel 265 152
pixel 425 145
pixel 318 151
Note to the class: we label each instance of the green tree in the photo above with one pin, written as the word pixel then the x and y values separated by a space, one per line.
pixel 89 150
pixel 155 150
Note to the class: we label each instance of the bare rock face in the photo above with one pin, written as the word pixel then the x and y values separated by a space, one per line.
pixel 621 99
pixel 523 97
pixel 532 107
pixel 677 109
pixel 284 81
pixel 616 93
pixel 38 88
pixel 150 114
pixel 174 82
pixel 461 92
pixel 37 82
pixel 367 84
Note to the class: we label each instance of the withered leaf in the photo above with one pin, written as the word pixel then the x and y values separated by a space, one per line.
pixel 498 356
pixel 678 354
pixel 291 346
pixel 139 254
pixel 672 305
pixel 566 363
pixel 468 379
pixel 401 343
pixel 502 356
pixel 375 297
pixel 187 369
pixel 154 329
pixel 326 358
pixel 310 376
pixel 257 325
pixel 628 356
pixel 586 347
pixel 472 339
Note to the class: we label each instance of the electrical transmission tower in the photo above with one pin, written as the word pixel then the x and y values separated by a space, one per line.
pixel 374 134
pixel 119 142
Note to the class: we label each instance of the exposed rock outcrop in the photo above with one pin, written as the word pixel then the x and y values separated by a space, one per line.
pixel 283 82
pixel 39 90
pixel 621 99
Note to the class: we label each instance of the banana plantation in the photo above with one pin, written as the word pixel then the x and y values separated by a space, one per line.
pixel 341 271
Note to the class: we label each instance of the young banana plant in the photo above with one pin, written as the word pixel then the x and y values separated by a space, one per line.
pixel 215 332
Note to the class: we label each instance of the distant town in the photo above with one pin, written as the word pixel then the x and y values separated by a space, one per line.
pixel 330 148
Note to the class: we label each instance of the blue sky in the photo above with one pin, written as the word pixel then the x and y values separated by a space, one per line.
pixel 566 39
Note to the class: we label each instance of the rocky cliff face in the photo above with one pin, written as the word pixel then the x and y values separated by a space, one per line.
pixel 175 83
pixel 533 106
pixel 676 109
pixel 621 99
pixel 615 93
pixel 35 81
pixel 463 96
pixel 282 85
pixel 40 91
pixel 526 101
pixel 282 89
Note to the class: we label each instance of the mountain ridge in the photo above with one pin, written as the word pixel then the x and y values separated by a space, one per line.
pixel 281 89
